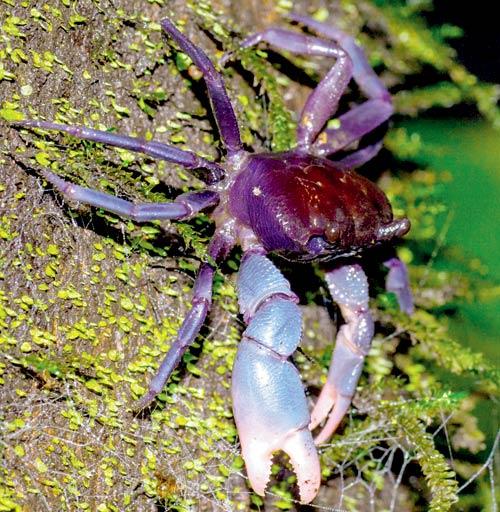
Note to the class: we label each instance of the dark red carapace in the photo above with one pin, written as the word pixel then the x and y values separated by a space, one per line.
pixel 306 207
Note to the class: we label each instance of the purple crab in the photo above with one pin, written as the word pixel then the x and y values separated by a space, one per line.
pixel 300 204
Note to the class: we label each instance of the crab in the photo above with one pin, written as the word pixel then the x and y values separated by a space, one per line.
pixel 301 204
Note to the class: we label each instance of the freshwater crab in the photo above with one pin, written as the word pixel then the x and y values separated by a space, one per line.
pixel 299 204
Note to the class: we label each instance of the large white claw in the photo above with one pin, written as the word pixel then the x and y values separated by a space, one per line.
pixel 269 403
pixel 271 414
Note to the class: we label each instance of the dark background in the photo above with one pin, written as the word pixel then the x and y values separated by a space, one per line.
pixel 479 48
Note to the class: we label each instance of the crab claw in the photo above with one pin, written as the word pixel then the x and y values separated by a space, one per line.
pixel 348 286
pixel 269 403
pixel 271 414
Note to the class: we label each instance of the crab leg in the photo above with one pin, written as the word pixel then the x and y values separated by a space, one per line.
pixel 363 73
pixel 182 207
pixel 352 126
pixel 348 286
pixel 360 157
pixel 323 101
pixel 222 108
pixel 364 118
pixel 398 283
pixel 192 323
pixel 151 148
pixel 269 403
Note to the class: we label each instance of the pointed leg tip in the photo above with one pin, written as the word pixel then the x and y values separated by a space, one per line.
pixel 143 402
pixel 226 57
pixel 409 309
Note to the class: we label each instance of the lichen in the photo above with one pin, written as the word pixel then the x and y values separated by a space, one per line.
pixel 89 302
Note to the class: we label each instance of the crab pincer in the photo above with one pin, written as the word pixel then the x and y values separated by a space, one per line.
pixel 269 403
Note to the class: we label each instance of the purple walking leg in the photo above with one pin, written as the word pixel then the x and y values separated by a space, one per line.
pixel 222 108
pixel 151 148
pixel 182 207
pixel 363 73
pixel 398 283
pixel 202 300
pixel 360 157
pixel 352 126
pixel 363 118
pixel 348 286
pixel 323 101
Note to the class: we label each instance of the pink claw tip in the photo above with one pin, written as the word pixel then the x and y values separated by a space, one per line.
pixel 299 446
pixel 258 463
pixel 323 405
pixel 305 461
pixel 339 410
